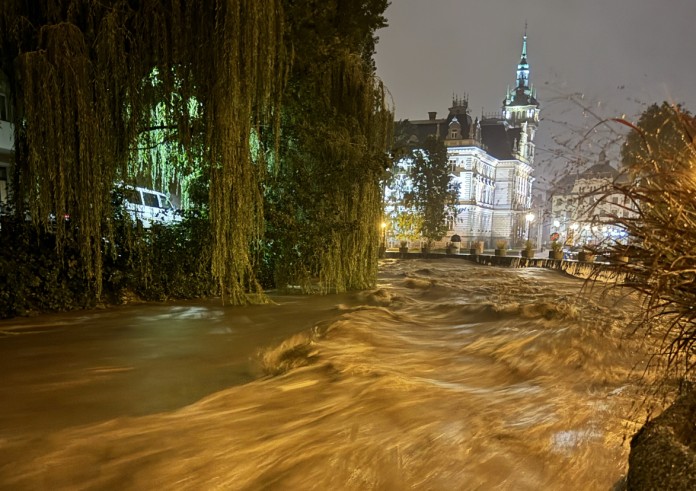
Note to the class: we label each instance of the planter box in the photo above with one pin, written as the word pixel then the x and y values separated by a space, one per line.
pixel 500 252
pixel 555 254
pixel 587 257
pixel 527 253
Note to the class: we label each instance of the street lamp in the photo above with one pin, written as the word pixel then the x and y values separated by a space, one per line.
pixel 530 218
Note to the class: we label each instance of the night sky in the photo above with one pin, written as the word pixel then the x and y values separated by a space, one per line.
pixel 435 48
pixel 619 54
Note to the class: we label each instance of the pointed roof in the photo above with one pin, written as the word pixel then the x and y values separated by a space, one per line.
pixel 523 94
pixel 523 65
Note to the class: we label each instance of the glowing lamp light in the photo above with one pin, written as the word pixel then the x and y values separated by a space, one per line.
pixel 530 218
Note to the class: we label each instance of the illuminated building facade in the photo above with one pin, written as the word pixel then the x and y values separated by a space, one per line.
pixel 585 205
pixel 492 158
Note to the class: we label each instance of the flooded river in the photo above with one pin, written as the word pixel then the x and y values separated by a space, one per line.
pixel 448 376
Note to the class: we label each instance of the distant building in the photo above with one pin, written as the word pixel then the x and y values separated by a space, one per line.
pixel 585 204
pixel 492 158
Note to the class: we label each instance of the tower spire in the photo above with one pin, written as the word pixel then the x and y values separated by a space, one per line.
pixel 524 41
pixel 523 65
pixel 520 107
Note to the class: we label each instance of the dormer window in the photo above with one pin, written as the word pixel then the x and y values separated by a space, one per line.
pixel 454 129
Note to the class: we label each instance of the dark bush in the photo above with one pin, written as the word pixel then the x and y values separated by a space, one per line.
pixel 152 264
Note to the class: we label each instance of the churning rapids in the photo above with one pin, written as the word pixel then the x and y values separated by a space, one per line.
pixel 448 375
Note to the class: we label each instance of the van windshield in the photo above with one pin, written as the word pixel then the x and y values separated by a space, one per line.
pixel 165 203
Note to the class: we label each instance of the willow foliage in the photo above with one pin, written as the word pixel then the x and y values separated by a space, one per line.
pixel 353 148
pixel 324 198
pixel 81 73
pixel 327 206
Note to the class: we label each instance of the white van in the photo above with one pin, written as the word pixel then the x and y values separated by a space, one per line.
pixel 149 206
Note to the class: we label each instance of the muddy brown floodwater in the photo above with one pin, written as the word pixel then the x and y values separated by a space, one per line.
pixel 448 375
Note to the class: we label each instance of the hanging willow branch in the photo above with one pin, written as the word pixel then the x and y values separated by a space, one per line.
pixel 356 150
pixel 241 95
pixel 69 167
pixel 329 207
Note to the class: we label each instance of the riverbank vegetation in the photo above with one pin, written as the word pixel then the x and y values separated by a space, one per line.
pixel 264 116
pixel 659 158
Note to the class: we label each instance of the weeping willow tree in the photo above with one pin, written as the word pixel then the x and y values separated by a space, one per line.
pixel 325 204
pixel 353 148
pixel 81 75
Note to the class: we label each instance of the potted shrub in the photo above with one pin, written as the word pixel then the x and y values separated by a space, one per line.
pixel 556 251
pixel 528 250
pixel 586 255
pixel 476 248
pixel 452 248
pixel 500 247
pixel 403 247
pixel 455 243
